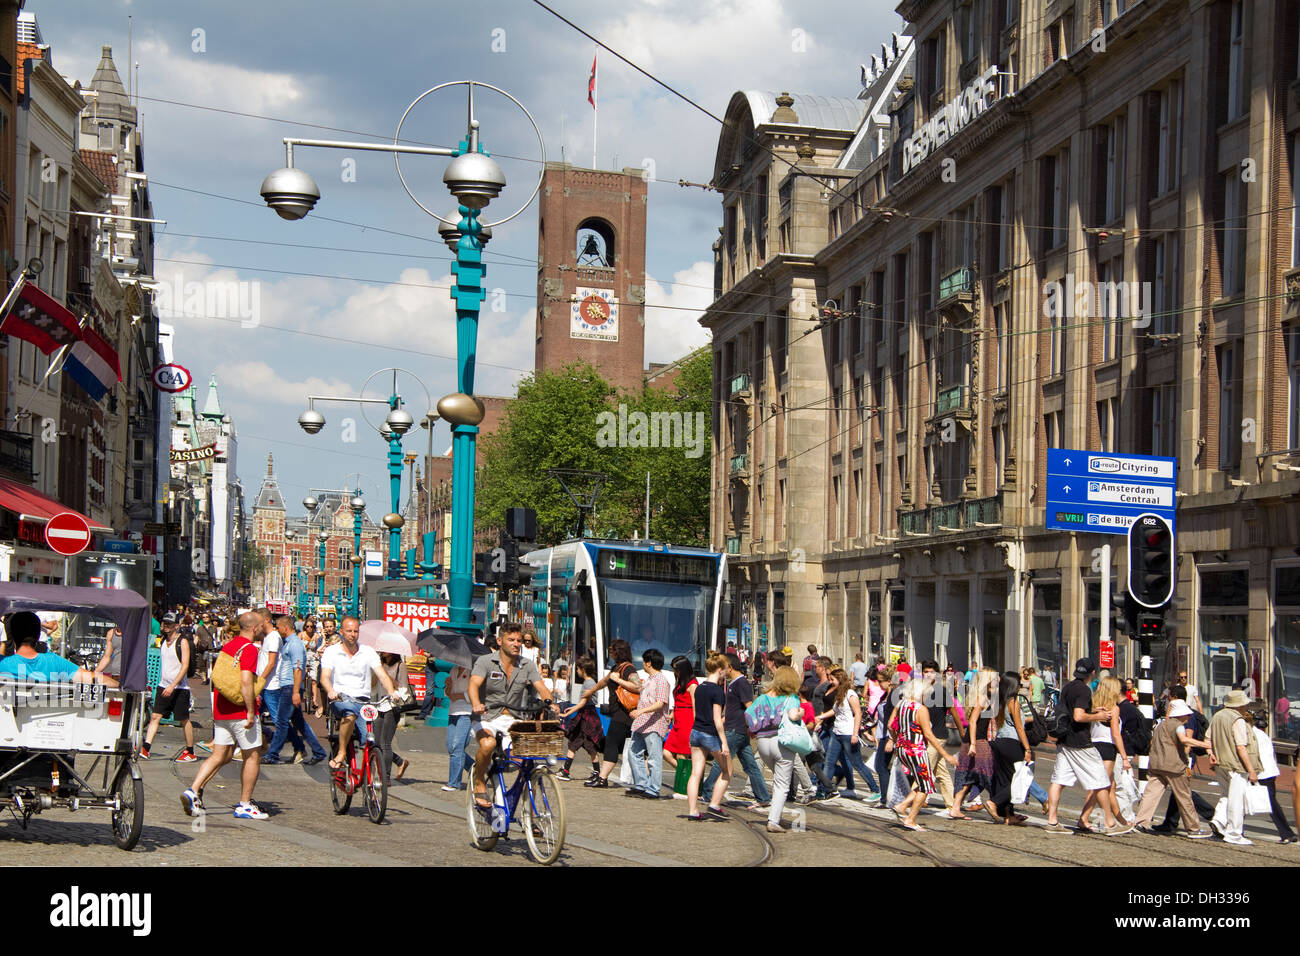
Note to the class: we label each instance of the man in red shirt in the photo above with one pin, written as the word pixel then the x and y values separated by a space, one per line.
pixel 234 725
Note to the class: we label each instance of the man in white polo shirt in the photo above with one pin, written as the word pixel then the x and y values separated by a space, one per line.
pixel 345 670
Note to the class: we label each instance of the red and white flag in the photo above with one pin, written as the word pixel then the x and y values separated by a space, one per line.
pixel 591 83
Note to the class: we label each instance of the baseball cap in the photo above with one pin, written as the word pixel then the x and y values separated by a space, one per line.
pixel 1084 666
pixel 169 617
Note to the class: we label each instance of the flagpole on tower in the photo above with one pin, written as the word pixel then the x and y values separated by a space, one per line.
pixel 595 110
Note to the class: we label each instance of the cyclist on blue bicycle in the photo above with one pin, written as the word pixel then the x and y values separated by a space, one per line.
pixel 498 685
pixel 345 670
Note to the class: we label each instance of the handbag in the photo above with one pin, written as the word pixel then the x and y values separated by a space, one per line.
pixel 794 737
pixel 1021 781
pixel 1126 791
pixel 1257 799
pixel 627 698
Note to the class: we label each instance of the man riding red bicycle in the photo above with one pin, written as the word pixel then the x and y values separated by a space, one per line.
pixel 345 671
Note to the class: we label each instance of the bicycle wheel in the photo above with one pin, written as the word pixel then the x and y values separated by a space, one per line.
pixel 482 836
pixel 340 794
pixel 128 819
pixel 543 818
pixel 376 788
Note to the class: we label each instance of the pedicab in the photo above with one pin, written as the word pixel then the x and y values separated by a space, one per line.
pixel 73 745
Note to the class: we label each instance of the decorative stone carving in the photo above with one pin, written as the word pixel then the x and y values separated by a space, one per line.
pixel 784 114
pixel 806 151
pixel 1009 472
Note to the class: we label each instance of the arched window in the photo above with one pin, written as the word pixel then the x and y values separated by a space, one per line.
pixel 595 244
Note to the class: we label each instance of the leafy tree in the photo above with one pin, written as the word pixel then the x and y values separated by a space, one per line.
pixel 571 419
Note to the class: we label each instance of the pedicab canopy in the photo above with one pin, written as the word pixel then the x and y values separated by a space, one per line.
pixel 128 610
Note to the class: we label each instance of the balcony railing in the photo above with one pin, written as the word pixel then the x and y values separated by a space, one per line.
pixel 740 383
pixel 951 399
pixel 16 453
pixel 960 281
pixel 985 511
pixel 739 464
pixel 941 519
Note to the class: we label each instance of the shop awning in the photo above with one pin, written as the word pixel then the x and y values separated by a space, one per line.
pixel 30 505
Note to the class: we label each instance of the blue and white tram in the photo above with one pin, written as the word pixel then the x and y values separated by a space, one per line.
pixel 585 594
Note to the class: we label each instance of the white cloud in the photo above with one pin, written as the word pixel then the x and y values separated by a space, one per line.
pixel 673 311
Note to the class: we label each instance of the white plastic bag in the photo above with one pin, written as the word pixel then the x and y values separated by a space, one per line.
pixel 1020 781
pixel 1126 791
pixel 1257 800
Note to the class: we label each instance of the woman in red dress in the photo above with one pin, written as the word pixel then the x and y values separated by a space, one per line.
pixel 678 743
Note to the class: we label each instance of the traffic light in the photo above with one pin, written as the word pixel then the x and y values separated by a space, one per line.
pixel 1151 626
pixel 1150 562
pixel 483 571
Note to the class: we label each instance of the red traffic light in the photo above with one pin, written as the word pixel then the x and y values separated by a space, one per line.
pixel 1150 561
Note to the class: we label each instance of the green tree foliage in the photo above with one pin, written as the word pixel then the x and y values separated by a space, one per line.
pixel 570 419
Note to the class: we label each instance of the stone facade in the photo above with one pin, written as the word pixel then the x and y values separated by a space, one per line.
pixel 888 379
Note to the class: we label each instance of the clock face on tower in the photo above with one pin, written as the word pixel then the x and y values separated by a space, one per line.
pixel 594 315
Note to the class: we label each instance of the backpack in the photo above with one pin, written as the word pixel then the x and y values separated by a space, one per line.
pixel 627 698
pixel 1036 726
pixel 1137 739
pixel 1063 725
pixel 228 682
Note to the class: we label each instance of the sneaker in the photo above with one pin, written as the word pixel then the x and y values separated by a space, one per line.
pixel 1056 828
pixel 597 783
pixel 144 754
pixel 448 788
pixel 718 812
pixel 563 775
pixel 1217 828
pixel 251 811
pixel 1201 834
pixel 187 756
pixel 848 794
pixel 634 792
pixel 872 798
pixel 192 803
pixel 775 828
pixel 1118 829
pixel 1238 841
pixel 1286 840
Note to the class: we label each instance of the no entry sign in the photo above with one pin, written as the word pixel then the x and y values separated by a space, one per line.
pixel 67 533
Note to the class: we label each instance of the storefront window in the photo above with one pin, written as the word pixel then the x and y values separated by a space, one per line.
pixel 873 624
pixel 778 618
pixel 1225 596
pixel 897 631
pixel 853 621
pixel 1284 682
pixel 1048 643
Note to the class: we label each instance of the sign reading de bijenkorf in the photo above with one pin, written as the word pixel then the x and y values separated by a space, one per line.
pixel 1105 493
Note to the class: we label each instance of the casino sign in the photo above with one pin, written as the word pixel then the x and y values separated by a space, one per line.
pixel 594 315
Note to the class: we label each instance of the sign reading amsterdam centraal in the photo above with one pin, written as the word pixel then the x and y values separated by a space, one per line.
pixel 1106 493
pixel 951 119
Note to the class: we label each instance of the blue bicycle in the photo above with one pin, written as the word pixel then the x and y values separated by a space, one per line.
pixel 533 798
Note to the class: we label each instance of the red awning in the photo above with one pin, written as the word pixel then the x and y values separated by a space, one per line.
pixel 30 505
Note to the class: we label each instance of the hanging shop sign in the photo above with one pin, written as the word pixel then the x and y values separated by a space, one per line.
pixel 179 455
pixel 172 378
pixel 951 118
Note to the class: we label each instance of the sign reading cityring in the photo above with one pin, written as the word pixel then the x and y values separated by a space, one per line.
pixel 951 119
pixel 193 454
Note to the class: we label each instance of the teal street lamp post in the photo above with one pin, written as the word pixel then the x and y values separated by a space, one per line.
pixel 358 505
pixel 324 536
pixel 474 179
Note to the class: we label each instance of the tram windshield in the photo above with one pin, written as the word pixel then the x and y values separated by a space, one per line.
pixel 675 618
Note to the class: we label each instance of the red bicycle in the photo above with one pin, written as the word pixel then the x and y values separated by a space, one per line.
pixel 366 773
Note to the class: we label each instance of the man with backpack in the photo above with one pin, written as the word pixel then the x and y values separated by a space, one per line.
pixel 1077 760
pixel 172 697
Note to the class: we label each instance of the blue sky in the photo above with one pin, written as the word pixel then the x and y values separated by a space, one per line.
pixel 372 293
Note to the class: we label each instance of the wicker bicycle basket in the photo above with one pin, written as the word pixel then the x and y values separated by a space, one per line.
pixel 537 738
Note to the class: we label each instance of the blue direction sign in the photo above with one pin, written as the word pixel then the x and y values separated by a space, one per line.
pixel 1087 491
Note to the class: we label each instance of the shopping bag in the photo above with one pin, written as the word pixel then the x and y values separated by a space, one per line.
pixel 1257 800
pixel 1126 791
pixel 1020 781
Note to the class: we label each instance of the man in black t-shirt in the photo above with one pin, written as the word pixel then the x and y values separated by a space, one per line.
pixel 739 695
pixel 1077 760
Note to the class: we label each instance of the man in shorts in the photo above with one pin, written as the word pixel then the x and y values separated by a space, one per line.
pixel 346 670
pixel 498 684
pixel 234 725
pixel 172 699
pixel 1077 761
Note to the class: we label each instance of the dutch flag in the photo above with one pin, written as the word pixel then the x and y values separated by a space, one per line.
pixel 93 364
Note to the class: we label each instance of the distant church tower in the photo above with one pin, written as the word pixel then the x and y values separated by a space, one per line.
pixel 591 272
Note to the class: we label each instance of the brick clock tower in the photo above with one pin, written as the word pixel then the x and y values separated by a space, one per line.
pixel 591 272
